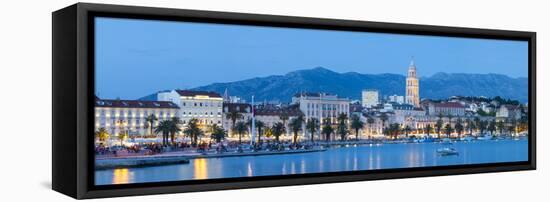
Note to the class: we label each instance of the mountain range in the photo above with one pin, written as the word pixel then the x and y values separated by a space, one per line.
pixel 350 84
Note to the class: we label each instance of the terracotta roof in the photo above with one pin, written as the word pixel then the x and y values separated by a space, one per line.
pixel 135 104
pixel 195 93
pixel 242 107
pixel 449 105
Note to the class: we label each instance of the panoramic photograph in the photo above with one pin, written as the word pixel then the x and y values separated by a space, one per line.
pixel 184 101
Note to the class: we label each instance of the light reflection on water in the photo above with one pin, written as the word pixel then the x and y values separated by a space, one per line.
pixel 367 157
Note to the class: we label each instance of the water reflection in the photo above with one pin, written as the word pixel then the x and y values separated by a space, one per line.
pixel 366 157
pixel 201 169
pixel 121 176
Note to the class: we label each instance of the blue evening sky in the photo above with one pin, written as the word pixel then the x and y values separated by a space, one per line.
pixel 135 58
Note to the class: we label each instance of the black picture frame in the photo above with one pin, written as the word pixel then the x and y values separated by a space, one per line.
pixel 73 100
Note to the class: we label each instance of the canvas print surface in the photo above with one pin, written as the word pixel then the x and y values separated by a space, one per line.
pixel 179 101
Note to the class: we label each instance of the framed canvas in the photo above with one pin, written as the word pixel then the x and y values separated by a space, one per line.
pixel 156 100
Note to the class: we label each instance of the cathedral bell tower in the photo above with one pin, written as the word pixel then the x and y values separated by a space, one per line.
pixel 412 95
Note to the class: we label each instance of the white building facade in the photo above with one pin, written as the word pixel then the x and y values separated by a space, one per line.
pixel 128 116
pixel 369 98
pixel 321 105
pixel 204 106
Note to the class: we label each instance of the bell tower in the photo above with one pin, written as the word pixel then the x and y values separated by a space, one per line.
pixel 412 95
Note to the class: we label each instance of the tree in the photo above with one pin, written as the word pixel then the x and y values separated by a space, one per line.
pixel 395 129
pixel 174 128
pixel 370 121
pixel 450 117
pixel 407 129
pixel 151 120
pixel 428 129
pixel 193 131
pixel 357 125
pixel 459 128
pixel 122 136
pixel 482 126
pixel 438 127
pixel 512 126
pixel 448 130
pixel 284 118
pixel 259 126
pixel 217 133
pixel 492 127
pixel 500 127
pixel 101 134
pixel 278 129
pixel 470 126
pixel 312 125
pixel 383 118
pixel 477 124
pixel 233 116
pixel 164 127
pixel 296 127
pixel 342 128
pixel 327 129
pixel 241 128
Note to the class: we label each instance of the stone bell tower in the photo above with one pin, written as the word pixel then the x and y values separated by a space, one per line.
pixel 412 95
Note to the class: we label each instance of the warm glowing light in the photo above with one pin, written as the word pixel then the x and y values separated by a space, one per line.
pixel 121 176
pixel 201 169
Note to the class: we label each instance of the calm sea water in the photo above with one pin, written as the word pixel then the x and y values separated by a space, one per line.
pixel 366 157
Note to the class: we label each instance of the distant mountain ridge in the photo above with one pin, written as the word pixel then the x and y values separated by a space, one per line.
pixel 350 84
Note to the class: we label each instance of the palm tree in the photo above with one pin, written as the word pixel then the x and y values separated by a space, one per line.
pixel 428 129
pixel 395 129
pixel 459 127
pixel 174 128
pixel 327 129
pixel 260 126
pixel 477 123
pixel 193 131
pixel 164 127
pixel 483 126
pixel 438 127
pixel 448 130
pixel 342 127
pixel 241 128
pixel 217 133
pixel 512 126
pixel 470 126
pixel 296 127
pixel 357 125
pixel 278 129
pixel 233 116
pixel 500 127
pixel 151 120
pixel 407 129
pixel 370 121
pixel 284 117
pixel 101 134
pixel 122 136
pixel 450 117
pixel 383 118
pixel 312 125
pixel 492 127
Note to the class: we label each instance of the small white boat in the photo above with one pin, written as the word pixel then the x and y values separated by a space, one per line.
pixel 485 137
pixel 447 151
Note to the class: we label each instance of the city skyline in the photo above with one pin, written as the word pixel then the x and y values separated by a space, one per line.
pixel 179 54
